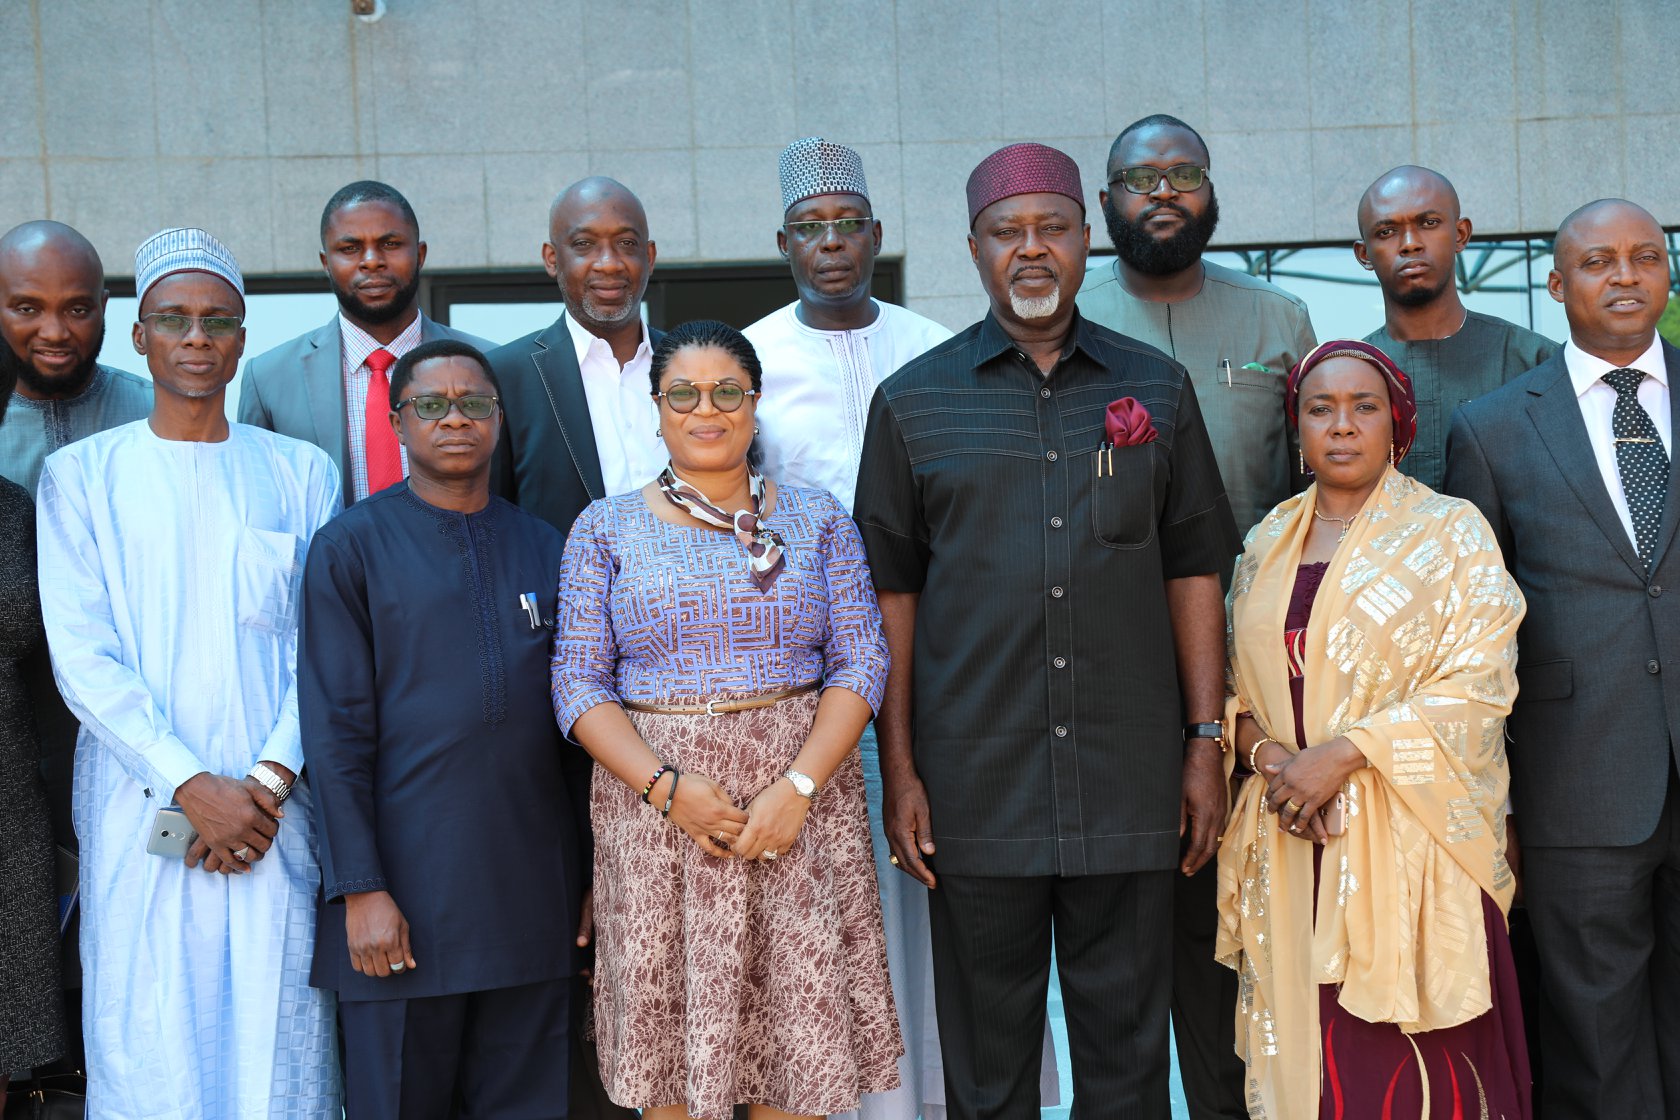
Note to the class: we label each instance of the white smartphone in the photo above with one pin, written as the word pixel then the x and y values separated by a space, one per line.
pixel 172 833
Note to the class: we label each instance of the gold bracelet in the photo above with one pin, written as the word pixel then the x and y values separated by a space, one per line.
pixel 1255 750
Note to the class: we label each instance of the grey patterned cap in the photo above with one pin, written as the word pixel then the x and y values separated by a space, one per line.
pixel 184 250
pixel 814 166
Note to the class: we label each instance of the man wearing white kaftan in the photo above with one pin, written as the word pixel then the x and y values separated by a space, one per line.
pixel 169 579
pixel 818 385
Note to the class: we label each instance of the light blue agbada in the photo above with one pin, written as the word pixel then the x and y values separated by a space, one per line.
pixel 169 584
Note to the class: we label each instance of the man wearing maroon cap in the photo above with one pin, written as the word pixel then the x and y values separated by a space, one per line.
pixel 1046 527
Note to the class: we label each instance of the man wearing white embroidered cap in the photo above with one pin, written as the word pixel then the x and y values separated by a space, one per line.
pixel 170 554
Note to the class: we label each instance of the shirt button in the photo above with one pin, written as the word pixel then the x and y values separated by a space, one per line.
pixel 1055 523
pixel 1653 667
pixel 1050 455
pixel 1060 663
pixel 1044 392
pixel 1061 733
pixel 1055 593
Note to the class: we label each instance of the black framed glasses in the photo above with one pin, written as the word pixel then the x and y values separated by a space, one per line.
pixel 1143 179
pixel 177 325
pixel 822 231
pixel 474 407
pixel 727 396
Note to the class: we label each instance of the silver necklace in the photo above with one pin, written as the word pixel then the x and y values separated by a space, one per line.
pixel 1345 522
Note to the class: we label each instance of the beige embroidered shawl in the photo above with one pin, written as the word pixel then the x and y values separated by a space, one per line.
pixel 1410 653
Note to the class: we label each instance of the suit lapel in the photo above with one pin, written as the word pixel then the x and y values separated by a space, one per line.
pixel 323 391
pixel 1671 501
pixel 555 359
pixel 1556 414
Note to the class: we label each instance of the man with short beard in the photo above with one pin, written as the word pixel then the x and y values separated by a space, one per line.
pixel 1237 337
pixel 52 321
pixel 52 318
pixel 1410 235
pixel 1046 530
pixel 581 423
pixel 329 387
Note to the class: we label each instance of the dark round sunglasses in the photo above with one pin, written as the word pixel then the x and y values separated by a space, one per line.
pixel 726 396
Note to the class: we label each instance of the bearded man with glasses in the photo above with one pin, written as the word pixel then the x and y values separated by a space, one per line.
pixel 1237 336
pixel 454 823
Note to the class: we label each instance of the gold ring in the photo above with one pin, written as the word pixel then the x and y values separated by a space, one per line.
pixel 1294 806
pixel 893 860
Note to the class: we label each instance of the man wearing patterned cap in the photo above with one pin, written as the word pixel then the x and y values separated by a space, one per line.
pixel 1046 527
pixel 170 553
pixel 823 356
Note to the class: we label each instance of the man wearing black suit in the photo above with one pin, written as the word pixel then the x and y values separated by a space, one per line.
pixel 316 387
pixel 1571 465
pixel 581 418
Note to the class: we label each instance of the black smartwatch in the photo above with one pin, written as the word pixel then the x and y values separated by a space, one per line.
pixel 1214 731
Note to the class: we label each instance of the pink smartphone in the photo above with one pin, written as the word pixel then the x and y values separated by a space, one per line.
pixel 1335 815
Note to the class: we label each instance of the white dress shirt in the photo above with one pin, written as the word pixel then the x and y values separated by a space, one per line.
pixel 621 410
pixel 1598 403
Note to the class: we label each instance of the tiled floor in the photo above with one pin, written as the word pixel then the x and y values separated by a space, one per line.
pixel 1064 1067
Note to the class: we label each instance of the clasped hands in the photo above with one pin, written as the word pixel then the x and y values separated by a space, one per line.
pixel 770 822
pixel 1299 785
pixel 236 819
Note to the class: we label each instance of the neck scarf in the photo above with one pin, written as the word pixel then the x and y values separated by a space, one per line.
pixel 764 545
pixel 1411 655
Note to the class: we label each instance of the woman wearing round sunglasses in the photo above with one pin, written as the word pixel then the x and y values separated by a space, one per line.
pixel 718 652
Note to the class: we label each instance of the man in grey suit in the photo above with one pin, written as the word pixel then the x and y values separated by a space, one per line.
pixel 316 386
pixel 1571 465
pixel 581 420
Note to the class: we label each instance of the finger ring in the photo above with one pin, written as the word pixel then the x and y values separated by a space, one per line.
pixel 770 853
pixel 1295 806
pixel 893 860
pixel 1295 828
pixel 397 966
pixel 240 853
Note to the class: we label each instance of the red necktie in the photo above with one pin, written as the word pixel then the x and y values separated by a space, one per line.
pixel 384 457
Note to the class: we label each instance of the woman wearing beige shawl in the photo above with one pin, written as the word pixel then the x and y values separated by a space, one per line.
pixel 1372 643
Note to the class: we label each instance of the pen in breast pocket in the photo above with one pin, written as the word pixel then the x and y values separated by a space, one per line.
pixel 528 600
pixel 1225 364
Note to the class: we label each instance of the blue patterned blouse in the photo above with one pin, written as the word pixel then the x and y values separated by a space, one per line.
pixel 667 614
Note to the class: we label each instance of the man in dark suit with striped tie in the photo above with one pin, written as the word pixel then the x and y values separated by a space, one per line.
pixel 1571 464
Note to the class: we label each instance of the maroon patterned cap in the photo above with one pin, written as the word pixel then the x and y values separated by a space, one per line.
pixel 1022 169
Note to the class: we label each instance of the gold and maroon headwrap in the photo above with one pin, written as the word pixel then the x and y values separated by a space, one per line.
pixel 1401 402
pixel 1022 169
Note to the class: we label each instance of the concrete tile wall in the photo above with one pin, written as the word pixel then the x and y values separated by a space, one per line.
pixel 245 115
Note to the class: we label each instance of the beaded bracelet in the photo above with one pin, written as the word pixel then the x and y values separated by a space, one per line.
pixel 672 795
pixel 653 781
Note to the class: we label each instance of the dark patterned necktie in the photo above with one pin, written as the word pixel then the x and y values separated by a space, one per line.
pixel 1640 459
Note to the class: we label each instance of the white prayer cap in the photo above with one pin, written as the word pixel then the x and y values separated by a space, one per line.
pixel 184 250
pixel 814 166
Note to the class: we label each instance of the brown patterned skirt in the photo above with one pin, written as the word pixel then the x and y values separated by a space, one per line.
pixel 720 981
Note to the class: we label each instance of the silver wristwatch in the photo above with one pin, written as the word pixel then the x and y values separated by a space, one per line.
pixel 805 787
pixel 276 785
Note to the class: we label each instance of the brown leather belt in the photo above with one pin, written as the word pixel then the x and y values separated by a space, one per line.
pixel 721 707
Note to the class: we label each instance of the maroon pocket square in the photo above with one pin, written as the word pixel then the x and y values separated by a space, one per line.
pixel 1128 423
